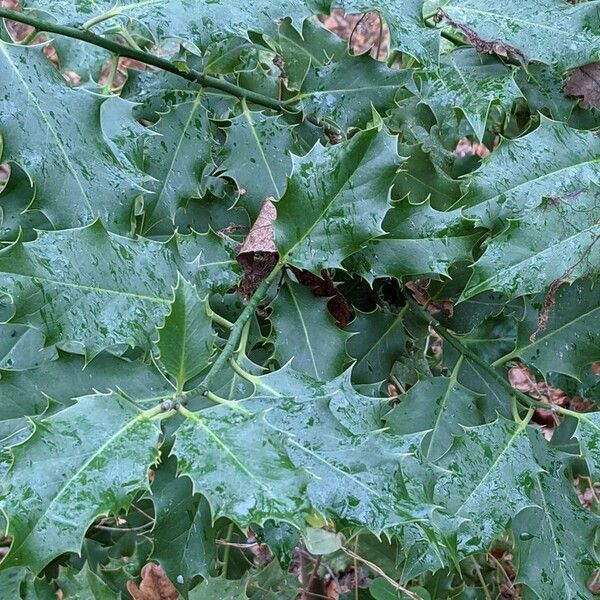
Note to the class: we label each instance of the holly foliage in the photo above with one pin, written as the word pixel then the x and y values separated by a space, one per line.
pixel 283 319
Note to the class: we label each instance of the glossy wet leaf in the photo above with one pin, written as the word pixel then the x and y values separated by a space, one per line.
pixel 105 290
pixel 469 83
pixel 557 240
pixel 257 156
pixel 79 174
pixel 554 161
pixel 175 158
pixel 336 199
pixel 560 34
pixel 306 334
pixel 100 450
pixel 186 340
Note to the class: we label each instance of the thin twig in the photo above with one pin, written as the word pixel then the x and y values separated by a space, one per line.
pixel 313 574
pixel 479 574
pixel 379 571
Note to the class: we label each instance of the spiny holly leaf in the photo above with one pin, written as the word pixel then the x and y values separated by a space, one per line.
pixel 219 587
pixel 315 47
pixel 489 474
pixel 553 161
pixel 439 406
pixel 175 159
pixel 256 155
pixel 421 241
pixel 347 90
pixel 315 463
pixel 306 334
pixel 555 537
pixel 60 143
pixel 556 240
pixel 378 341
pixel 408 31
pixel 98 289
pixel 470 83
pixel 560 34
pixel 184 537
pixel 15 198
pixel 83 585
pixel 22 347
pixel 336 199
pixel 100 450
pixel 197 20
pixel 565 337
pixel 12 581
pixel 588 434
pixel 420 179
pixel 186 340
pixel 54 384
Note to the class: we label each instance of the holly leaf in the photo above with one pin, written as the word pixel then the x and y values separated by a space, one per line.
pixel 175 158
pixel 347 90
pixel 489 471
pixel 219 587
pixel 100 449
pixel 22 348
pixel 554 161
pixel 81 176
pixel 555 537
pixel 257 156
pixel 378 340
pixel 559 334
pixel 439 406
pixel 184 536
pixel 336 199
pixel 421 242
pixel 306 334
pixel 469 83
pixel 588 434
pixel 186 340
pixel 54 384
pixel 557 240
pixel 83 585
pixel 566 37
pixel 91 276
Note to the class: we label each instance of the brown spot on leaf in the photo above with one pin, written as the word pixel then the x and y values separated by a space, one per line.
pixel 155 585
pixel 444 308
pixel 584 83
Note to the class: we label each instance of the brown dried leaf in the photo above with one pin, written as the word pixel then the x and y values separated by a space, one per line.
pixel 445 308
pixel 258 254
pixel 155 585
pixel 584 83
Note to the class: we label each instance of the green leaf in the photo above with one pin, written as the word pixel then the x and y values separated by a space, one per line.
pixel 421 242
pixel 346 91
pixel 59 141
pixel 588 434
pixel 554 241
pixel 186 341
pixel 257 156
pixel 570 340
pixel 439 406
pixel 314 47
pixel 105 290
pixel 321 541
pixel 408 30
pixel 489 474
pixel 306 334
pixel 54 384
pixel 219 587
pixel 84 585
pixel 555 537
pixel 22 348
pixel 470 83
pixel 335 201
pixel 554 161
pixel 184 536
pixel 560 34
pixel 175 158
pixel 99 451
pixel 378 341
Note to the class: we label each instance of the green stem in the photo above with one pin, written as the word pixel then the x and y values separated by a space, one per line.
pixel 218 400
pixel 219 320
pixel 238 328
pixel 114 65
pixel 489 369
pixel 226 551
pixel 143 57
